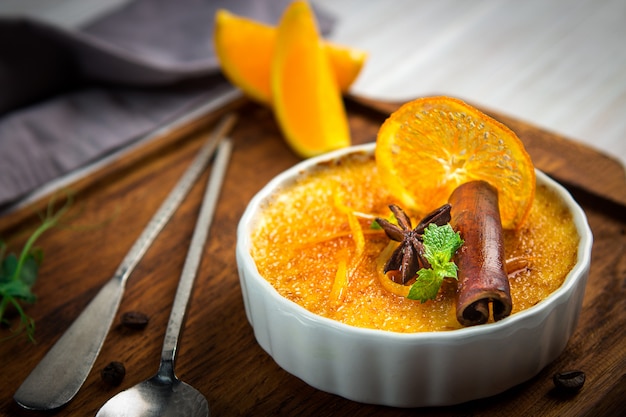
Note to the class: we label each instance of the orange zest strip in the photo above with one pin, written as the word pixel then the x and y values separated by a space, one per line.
pixel 355 226
pixel 389 285
pixel 341 278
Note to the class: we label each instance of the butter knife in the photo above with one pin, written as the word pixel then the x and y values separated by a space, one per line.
pixel 64 369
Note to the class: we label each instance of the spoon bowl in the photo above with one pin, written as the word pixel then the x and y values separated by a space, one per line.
pixel 157 396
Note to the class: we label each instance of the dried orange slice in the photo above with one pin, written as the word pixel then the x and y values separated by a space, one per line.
pixel 429 146
pixel 245 47
pixel 306 99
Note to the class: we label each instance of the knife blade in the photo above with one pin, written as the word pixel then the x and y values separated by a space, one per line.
pixel 64 369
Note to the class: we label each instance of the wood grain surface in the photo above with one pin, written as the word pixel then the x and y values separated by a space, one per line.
pixel 218 353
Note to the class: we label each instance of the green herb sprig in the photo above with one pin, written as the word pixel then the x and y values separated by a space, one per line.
pixel 18 274
pixel 440 244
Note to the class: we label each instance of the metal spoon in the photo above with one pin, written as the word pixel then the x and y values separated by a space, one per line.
pixel 164 394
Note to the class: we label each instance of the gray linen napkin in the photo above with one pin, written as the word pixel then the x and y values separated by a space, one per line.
pixel 69 98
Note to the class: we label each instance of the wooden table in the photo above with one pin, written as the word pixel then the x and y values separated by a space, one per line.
pixel 218 352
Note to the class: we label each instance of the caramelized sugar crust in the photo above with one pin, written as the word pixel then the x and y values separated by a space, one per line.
pixel 302 238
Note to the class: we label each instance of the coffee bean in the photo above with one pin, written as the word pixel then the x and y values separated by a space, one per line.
pixel 113 373
pixel 569 381
pixel 135 320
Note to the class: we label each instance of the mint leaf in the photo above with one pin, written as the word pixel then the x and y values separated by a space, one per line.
pixel 448 270
pixel 19 273
pixel 440 245
pixel 17 289
pixel 28 273
pixel 426 287
pixel 375 226
pixel 8 267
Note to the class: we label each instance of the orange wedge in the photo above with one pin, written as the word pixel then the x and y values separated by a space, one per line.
pixel 307 101
pixel 346 63
pixel 429 146
pixel 245 48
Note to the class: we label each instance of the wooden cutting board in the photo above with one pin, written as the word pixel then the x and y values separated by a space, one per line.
pixel 218 353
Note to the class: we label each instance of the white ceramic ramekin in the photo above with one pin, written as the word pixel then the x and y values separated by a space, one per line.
pixel 417 369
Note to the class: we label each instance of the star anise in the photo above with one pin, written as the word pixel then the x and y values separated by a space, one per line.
pixel 408 258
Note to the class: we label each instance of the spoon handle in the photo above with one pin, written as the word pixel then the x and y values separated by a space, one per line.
pixel 194 255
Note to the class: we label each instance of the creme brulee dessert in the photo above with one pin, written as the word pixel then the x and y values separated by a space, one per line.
pixel 317 244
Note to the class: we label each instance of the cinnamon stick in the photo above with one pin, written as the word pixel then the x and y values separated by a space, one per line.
pixel 482 276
